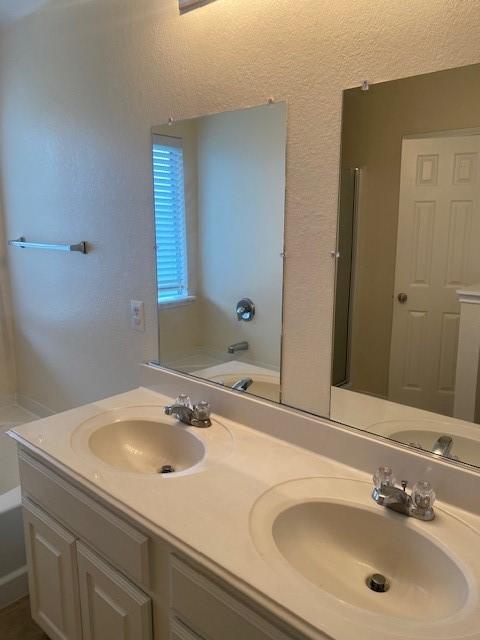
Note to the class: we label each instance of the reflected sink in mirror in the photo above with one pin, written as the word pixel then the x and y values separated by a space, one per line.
pixel 408 425
pixel 426 435
pixel 261 382
pixel 142 440
pixel 327 534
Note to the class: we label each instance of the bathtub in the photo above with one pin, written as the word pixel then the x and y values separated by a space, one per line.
pixel 13 570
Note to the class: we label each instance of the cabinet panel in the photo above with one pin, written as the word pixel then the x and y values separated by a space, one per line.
pixel 52 574
pixel 112 607
pixel 213 612
pixel 178 631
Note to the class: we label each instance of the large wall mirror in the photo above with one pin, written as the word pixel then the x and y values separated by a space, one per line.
pixel 407 311
pixel 219 198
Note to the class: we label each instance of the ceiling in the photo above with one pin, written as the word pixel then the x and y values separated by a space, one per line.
pixel 11 10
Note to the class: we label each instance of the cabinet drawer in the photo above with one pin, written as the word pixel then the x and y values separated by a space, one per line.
pixel 178 631
pixel 118 542
pixel 213 612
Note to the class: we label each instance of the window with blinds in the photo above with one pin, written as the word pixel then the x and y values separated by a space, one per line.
pixel 170 227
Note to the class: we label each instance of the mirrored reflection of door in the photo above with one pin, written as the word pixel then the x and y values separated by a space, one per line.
pixel 413 339
pixel 437 252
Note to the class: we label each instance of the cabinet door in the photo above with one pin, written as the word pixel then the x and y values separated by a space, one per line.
pixel 52 574
pixel 178 631
pixel 112 607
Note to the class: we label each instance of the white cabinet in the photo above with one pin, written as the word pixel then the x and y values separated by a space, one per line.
pixel 52 575
pixel 75 595
pixel 88 580
pixel 112 607
pixel 212 612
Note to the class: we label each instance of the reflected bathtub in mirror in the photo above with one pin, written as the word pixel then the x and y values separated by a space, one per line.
pixel 219 198
pixel 407 313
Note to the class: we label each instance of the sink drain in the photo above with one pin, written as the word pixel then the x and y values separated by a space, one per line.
pixel 167 468
pixel 378 583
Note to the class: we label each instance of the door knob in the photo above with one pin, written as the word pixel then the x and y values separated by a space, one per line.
pixel 402 298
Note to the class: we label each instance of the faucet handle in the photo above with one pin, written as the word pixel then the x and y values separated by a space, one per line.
pixel 423 496
pixel 383 477
pixel 183 399
pixel 202 411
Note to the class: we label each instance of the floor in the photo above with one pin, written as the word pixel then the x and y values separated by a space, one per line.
pixel 17 624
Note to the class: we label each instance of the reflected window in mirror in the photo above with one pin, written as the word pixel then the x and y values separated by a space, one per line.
pixel 407 319
pixel 170 226
pixel 219 236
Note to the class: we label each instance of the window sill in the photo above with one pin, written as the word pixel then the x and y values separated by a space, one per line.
pixel 180 302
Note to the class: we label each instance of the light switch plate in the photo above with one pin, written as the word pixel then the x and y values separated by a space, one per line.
pixel 137 315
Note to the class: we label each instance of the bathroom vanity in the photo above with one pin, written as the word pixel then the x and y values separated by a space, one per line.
pixel 248 537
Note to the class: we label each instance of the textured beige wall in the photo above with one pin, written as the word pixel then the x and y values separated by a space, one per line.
pixel 374 123
pixel 83 82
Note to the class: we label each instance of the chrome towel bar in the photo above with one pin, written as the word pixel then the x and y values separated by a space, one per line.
pixel 23 244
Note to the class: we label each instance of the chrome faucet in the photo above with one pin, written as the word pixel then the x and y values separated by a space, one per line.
pixel 197 415
pixel 238 346
pixel 243 384
pixel 443 446
pixel 418 504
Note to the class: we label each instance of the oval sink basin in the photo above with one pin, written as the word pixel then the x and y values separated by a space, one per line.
pixel 338 547
pixel 326 534
pixel 144 446
pixel 143 440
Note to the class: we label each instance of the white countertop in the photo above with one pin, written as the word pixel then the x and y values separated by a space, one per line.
pixel 209 510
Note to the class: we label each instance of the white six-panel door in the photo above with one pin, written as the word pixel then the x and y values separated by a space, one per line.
pixel 438 251
pixel 52 575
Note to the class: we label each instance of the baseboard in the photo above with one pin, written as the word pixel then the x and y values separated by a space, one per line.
pixel 13 587
pixel 33 406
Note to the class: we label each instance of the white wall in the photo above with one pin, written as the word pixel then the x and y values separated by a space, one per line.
pixel 82 84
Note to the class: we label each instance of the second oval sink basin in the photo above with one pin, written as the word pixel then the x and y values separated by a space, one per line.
pixel 142 440
pixel 338 547
pixel 327 535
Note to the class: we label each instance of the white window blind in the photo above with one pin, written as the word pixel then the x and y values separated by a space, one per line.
pixel 170 228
